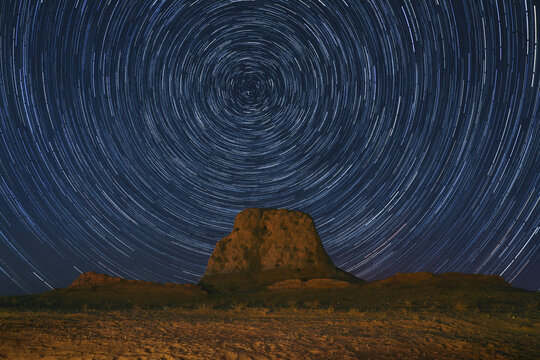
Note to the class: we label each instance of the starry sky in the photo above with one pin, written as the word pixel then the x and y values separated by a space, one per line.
pixel 133 132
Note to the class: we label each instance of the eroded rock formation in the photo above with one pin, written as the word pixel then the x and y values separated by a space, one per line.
pixel 267 246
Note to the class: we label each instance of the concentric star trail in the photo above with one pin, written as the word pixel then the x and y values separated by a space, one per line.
pixel 133 132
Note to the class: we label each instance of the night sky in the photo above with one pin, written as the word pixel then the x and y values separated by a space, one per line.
pixel 133 132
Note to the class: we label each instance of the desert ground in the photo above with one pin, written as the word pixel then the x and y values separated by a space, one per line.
pixel 261 333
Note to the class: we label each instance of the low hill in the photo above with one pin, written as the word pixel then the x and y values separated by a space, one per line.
pixel 447 280
pixel 101 291
pixel 451 293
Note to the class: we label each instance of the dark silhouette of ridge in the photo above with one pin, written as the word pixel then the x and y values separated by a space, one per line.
pixel 434 292
pixel 449 279
pixel 275 258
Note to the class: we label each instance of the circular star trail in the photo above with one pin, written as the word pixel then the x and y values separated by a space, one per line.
pixel 132 132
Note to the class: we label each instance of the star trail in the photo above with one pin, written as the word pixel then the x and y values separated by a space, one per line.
pixel 133 132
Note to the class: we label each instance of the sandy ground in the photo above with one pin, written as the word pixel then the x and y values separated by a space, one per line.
pixel 264 334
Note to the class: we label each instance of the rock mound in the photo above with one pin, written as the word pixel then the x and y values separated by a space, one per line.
pixel 267 246
pixel 92 278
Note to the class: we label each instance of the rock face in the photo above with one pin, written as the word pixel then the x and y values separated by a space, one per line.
pixel 267 246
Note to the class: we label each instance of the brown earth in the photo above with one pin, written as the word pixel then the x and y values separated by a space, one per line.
pixel 263 334
pixel 311 284
pixel 267 246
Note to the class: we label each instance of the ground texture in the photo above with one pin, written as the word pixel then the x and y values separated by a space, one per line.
pixel 247 333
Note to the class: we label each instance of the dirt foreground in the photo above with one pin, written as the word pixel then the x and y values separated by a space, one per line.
pixel 264 334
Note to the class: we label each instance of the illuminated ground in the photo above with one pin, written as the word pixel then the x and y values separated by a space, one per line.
pixel 260 333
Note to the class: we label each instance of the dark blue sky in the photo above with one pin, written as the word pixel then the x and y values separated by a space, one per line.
pixel 133 132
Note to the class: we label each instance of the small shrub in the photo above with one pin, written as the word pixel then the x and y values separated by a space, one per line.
pixel 239 307
pixel 204 307
pixel 460 306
